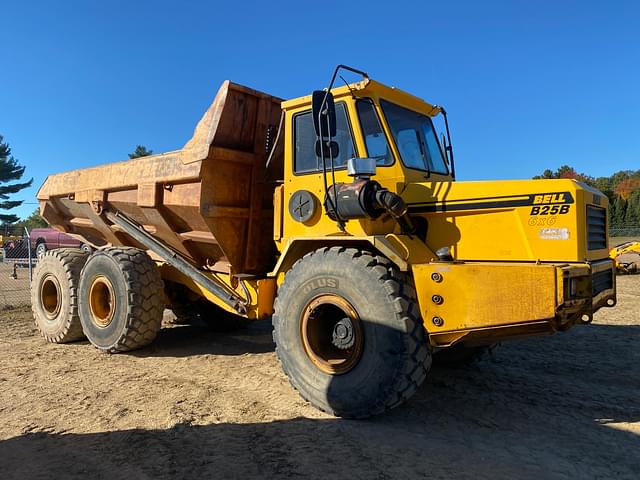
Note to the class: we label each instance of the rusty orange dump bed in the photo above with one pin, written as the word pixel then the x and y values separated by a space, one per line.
pixel 211 201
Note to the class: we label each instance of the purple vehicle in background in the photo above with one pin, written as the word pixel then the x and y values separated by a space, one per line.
pixel 43 239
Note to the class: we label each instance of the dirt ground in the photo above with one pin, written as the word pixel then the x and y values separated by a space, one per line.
pixel 200 404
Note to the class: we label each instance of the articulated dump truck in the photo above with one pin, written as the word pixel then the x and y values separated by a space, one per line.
pixel 338 216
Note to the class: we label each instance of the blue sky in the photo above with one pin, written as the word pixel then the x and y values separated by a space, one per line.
pixel 528 85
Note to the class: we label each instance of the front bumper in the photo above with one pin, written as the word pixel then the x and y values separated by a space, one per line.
pixel 485 302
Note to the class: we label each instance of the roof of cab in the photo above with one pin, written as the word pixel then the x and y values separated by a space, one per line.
pixel 367 88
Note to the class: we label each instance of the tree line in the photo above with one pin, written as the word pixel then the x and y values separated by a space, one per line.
pixel 623 190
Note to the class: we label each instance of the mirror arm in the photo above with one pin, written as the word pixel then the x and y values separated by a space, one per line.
pixel 333 180
pixel 323 105
pixel 364 75
pixel 449 147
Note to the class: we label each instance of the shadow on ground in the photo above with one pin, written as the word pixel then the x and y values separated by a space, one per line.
pixel 560 407
pixel 189 340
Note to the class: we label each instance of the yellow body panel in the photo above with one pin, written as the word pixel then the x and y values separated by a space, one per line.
pixel 492 220
pixel 476 295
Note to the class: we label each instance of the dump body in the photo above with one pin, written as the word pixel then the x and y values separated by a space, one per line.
pixel 211 201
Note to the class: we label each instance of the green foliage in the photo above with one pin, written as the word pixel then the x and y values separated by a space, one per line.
pixel 623 190
pixel 565 171
pixel 32 221
pixel 632 214
pixel 10 170
pixel 140 151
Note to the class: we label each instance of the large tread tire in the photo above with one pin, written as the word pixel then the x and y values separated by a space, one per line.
pixel 55 309
pixel 137 299
pixel 395 356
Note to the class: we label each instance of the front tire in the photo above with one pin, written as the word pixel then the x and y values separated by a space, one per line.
pixel 54 295
pixel 348 334
pixel 121 299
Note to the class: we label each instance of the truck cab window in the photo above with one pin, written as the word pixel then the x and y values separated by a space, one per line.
pixel 409 146
pixel 374 138
pixel 415 138
pixel 304 158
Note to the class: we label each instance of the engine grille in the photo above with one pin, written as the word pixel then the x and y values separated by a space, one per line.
pixel 601 281
pixel 596 228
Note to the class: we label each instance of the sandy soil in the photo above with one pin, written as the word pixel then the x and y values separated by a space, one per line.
pixel 200 404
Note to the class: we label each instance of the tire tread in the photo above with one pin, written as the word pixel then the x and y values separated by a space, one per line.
pixel 71 260
pixel 145 298
pixel 400 293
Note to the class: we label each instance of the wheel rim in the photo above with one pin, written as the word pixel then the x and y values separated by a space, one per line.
pixel 102 301
pixel 50 296
pixel 331 333
pixel 41 250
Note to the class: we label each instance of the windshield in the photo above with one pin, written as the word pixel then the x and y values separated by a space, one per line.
pixel 415 138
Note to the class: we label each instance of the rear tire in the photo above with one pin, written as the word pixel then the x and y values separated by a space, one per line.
pixel 348 334
pixel 121 299
pixel 54 295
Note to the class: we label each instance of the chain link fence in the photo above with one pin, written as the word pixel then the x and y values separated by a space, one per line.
pixel 16 266
pixel 627 230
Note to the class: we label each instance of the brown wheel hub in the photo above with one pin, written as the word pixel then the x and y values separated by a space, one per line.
pixel 50 296
pixel 331 333
pixel 102 301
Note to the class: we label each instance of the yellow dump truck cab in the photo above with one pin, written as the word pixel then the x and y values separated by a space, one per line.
pixel 489 259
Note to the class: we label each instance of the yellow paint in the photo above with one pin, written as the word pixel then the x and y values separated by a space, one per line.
pixel 477 295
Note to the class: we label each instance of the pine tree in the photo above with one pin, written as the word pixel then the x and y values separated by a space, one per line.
pixel 10 170
pixel 632 215
pixel 140 151
pixel 611 220
pixel 620 209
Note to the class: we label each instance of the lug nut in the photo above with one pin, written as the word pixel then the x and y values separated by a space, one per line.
pixel 437 299
pixel 437 321
pixel 436 277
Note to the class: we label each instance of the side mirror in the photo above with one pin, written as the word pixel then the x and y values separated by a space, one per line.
pixel 324 114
